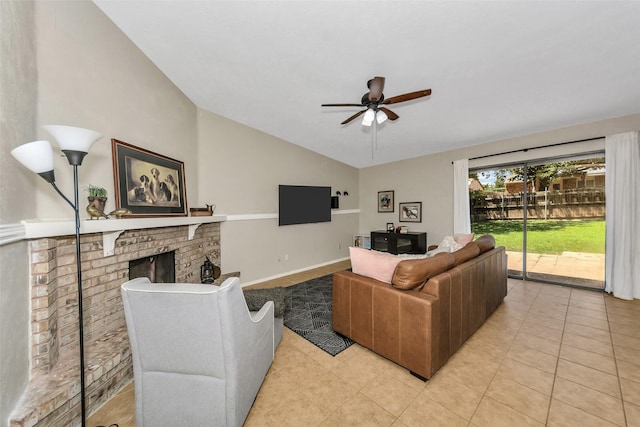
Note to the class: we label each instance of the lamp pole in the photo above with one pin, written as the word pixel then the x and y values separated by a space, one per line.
pixel 38 157
pixel 83 407
pixel 76 191
pixel 74 161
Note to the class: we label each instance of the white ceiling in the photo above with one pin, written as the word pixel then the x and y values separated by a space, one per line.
pixel 497 69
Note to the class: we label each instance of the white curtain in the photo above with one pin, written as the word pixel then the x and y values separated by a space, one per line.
pixel 623 214
pixel 461 214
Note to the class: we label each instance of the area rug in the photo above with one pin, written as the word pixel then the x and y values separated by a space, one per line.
pixel 308 314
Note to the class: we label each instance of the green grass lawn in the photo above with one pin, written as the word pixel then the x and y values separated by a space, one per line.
pixel 547 236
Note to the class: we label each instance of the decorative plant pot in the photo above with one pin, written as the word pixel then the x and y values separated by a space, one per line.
pixel 98 202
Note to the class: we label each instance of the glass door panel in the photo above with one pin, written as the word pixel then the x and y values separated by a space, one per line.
pixel 549 216
pixel 566 222
pixel 499 212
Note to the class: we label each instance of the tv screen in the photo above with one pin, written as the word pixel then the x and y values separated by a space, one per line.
pixel 300 204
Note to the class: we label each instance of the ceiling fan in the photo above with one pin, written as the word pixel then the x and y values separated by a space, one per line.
pixel 374 102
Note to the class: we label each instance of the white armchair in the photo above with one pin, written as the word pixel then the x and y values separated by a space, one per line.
pixel 199 355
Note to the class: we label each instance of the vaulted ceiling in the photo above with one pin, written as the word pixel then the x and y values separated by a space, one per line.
pixel 498 69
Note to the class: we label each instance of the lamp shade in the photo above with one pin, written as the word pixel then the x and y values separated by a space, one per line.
pixel 381 117
pixel 368 118
pixel 36 155
pixel 71 138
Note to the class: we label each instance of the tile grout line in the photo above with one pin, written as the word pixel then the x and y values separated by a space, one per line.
pixel 502 361
pixel 566 403
pixel 555 374
pixel 615 361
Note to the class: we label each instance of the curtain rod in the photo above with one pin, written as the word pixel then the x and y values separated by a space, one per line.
pixel 535 148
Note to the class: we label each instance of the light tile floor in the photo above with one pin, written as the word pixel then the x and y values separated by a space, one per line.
pixel 549 355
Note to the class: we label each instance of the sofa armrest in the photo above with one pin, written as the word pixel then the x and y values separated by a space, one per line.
pixel 468 293
pixel 399 325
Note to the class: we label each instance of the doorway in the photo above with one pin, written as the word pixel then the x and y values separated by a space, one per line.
pixel 549 215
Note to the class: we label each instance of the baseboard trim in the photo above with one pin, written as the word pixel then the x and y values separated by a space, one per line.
pixel 289 273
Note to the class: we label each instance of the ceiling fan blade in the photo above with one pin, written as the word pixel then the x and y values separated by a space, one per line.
pixel 342 105
pixel 355 116
pixel 407 96
pixel 376 85
pixel 390 114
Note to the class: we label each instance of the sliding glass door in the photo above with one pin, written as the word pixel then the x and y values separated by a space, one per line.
pixel 550 216
pixel 496 211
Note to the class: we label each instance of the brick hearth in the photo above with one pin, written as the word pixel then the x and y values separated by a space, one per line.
pixel 52 396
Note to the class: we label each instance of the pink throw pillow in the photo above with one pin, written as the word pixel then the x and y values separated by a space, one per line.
pixel 377 265
pixel 463 239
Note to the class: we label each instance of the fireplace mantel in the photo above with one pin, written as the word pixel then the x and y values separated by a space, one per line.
pixel 111 228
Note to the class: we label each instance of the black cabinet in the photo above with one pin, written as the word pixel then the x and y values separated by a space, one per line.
pixel 399 243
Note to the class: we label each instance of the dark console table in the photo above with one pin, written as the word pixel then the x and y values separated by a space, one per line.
pixel 399 243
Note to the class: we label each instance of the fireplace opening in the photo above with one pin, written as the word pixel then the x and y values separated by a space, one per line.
pixel 160 268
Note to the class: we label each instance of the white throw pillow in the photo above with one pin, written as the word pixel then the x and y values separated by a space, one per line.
pixel 437 250
pixel 450 242
pixel 412 256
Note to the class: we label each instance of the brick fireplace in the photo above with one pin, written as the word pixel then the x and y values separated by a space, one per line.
pixel 52 396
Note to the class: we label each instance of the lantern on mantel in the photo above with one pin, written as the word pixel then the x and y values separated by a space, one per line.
pixel 209 272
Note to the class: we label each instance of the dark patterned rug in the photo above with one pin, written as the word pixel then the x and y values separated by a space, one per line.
pixel 308 314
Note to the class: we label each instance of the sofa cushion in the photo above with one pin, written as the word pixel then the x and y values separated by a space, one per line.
pixel 485 243
pixel 466 253
pixel 414 273
pixel 374 264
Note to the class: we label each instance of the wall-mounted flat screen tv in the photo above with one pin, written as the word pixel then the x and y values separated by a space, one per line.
pixel 301 204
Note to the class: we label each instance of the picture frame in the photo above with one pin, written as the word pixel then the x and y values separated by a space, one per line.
pixel 147 183
pixel 385 201
pixel 410 211
pixel 390 227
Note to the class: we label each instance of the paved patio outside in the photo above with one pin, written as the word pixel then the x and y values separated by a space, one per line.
pixel 575 268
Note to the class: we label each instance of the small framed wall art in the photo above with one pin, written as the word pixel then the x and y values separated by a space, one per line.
pixel 385 201
pixel 147 183
pixel 410 211
pixel 390 227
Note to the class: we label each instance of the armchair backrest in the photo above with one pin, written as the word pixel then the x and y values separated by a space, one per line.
pixel 190 368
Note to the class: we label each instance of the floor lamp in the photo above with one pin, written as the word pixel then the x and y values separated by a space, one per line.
pixel 38 157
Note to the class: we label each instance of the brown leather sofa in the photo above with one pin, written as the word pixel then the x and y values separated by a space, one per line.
pixel 420 328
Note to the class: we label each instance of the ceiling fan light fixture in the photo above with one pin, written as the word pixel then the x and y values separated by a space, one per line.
pixel 381 117
pixel 368 118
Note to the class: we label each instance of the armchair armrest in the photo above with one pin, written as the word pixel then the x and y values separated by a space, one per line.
pixel 263 312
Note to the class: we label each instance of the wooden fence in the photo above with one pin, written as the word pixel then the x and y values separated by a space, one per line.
pixel 567 204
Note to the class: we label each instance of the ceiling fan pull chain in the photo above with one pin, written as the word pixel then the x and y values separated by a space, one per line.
pixel 374 139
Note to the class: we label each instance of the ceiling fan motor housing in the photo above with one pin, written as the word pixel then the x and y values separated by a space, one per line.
pixel 366 102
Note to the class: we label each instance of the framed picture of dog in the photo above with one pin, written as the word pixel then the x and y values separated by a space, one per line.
pixel 410 211
pixel 147 183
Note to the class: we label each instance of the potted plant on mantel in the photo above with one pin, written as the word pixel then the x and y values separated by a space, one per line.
pixel 97 197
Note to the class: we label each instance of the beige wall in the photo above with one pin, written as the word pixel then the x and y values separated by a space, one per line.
pixel 91 75
pixel 65 62
pixel 18 97
pixel 86 72
pixel 240 171
pixel 429 179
